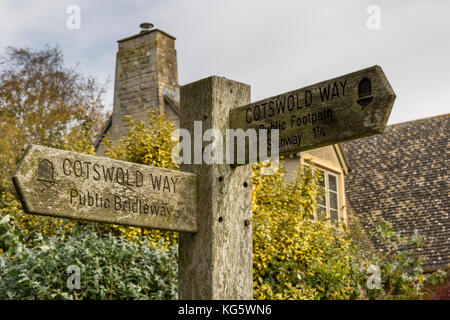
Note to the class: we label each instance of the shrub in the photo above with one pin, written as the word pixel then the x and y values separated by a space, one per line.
pixel 111 267
pixel 148 142
pixel 295 257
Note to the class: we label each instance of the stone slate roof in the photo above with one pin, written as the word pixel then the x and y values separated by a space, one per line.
pixel 402 176
pixel 103 132
pixel 172 104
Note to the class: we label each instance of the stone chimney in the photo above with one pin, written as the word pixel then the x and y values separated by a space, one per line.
pixel 146 78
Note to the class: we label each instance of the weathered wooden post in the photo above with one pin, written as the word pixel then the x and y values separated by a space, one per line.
pixel 216 262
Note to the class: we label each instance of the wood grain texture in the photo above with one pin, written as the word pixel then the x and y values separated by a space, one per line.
pixel 71 185
pixel 216 262
pixel 348 107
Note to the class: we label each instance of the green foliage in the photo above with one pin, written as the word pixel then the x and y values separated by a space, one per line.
pixel 147 142
pixel 36 250
pixel 399 262
pixel 295 257
pixel 111 267
pixel 44 102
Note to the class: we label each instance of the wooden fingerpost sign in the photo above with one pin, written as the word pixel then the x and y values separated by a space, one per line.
pixel 348 107
pixel 216 262
pixel 72 185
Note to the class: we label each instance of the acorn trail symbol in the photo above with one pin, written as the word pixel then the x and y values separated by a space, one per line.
pixel 45 173
pixel 364 93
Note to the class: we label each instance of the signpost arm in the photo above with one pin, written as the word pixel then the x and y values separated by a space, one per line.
pixel 216 262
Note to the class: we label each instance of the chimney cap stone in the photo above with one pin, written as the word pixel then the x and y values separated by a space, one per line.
pixel 146 26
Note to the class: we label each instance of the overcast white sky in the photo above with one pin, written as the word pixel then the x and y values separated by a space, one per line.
pixel 275 46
